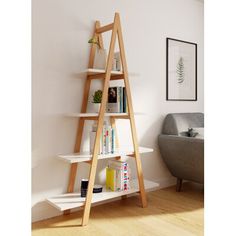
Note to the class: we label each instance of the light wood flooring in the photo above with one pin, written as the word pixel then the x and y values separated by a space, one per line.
pixel 168 213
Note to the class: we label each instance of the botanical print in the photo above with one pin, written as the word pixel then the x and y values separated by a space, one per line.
pixel 181 70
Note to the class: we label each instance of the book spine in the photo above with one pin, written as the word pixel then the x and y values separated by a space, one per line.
pixel 110 140
pixel 113 141
pixel 121 99
pixel 104 140
pixel 110 179
pixel 107 140
pixel 113 183
pixel 118 180
pixel 118 99
pixel 121 180
pixel 124 100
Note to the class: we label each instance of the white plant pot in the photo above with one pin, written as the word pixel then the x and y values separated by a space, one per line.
pixel 100 59
pixel 96 107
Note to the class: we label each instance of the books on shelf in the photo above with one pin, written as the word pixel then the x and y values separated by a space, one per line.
pixel 107 139
pixel 117 100
pixel 117 176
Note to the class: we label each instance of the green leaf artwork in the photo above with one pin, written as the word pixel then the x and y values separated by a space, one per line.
pixel 180 70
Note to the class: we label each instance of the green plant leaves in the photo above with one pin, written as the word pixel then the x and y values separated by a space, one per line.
pixel 180 70
pixel 97 97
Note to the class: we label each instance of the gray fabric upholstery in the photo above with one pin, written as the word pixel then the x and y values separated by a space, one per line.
pixel 176 123
pixel 184 156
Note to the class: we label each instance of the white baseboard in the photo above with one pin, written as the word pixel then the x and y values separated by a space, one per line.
pixel 43 211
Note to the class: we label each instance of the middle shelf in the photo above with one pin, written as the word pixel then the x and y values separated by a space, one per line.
pixel 96 115
pixel 87 156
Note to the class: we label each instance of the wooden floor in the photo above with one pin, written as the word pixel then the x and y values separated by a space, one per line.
pixel 168 213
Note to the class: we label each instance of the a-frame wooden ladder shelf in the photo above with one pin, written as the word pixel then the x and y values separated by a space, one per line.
pixel 71 200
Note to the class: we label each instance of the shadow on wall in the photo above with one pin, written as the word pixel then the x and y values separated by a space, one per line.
pixel 155 164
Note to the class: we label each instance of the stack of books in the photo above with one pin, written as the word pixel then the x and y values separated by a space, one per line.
pixel 117 176
pixel 107 140
pixel 117 100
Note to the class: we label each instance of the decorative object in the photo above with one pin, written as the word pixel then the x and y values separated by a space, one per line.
pixel 117 100
pixel 181 70
pixel 97 189
pixel 192 133
pixel 117 62
pixel 84 187
pixel 97 98
pixel 100 55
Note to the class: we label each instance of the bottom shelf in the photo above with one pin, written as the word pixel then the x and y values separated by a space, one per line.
pixel 72 200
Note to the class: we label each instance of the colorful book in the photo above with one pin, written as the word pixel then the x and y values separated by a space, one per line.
pixel 113 104
pixel 111 179
pixel 107 140
pixel 113 143
pixel 124 168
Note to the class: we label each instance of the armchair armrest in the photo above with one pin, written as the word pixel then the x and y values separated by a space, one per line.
pixel 184 156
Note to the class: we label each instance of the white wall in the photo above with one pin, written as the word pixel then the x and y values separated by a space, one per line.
pixel 61 30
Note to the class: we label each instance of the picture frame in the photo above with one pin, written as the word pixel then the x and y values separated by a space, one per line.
pixel 181 70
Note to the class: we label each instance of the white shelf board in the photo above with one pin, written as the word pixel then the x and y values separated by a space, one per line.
pixel 87 156
pixel 96 114
pixel 72 200
pixel 93 71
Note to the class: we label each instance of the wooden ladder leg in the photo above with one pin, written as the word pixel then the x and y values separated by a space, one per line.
pixel 131 116
pixel 93 168
pixel 74 166
pixel 179 184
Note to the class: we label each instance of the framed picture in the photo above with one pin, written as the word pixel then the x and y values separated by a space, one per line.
pixel 181 70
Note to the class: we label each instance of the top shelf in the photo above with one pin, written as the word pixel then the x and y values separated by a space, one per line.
pixel 92 71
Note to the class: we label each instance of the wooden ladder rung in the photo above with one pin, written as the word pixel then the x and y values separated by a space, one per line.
pixel 117 77
pixel 105 28
pixel 102 76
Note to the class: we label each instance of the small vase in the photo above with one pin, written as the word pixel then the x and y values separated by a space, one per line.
pixel 96 107
pixel 100 59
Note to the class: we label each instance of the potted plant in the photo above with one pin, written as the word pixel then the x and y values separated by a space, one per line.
pixel 97 99
pixel 100 55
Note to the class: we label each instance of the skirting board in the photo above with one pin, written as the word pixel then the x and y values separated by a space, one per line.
pixel 43 211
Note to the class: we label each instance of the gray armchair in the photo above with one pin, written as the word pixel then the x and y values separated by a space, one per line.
pixel 184 156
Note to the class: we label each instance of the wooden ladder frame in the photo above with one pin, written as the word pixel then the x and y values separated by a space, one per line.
pixel 115 27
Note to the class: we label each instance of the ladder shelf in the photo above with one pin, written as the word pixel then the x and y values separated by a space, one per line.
pixel 71 200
